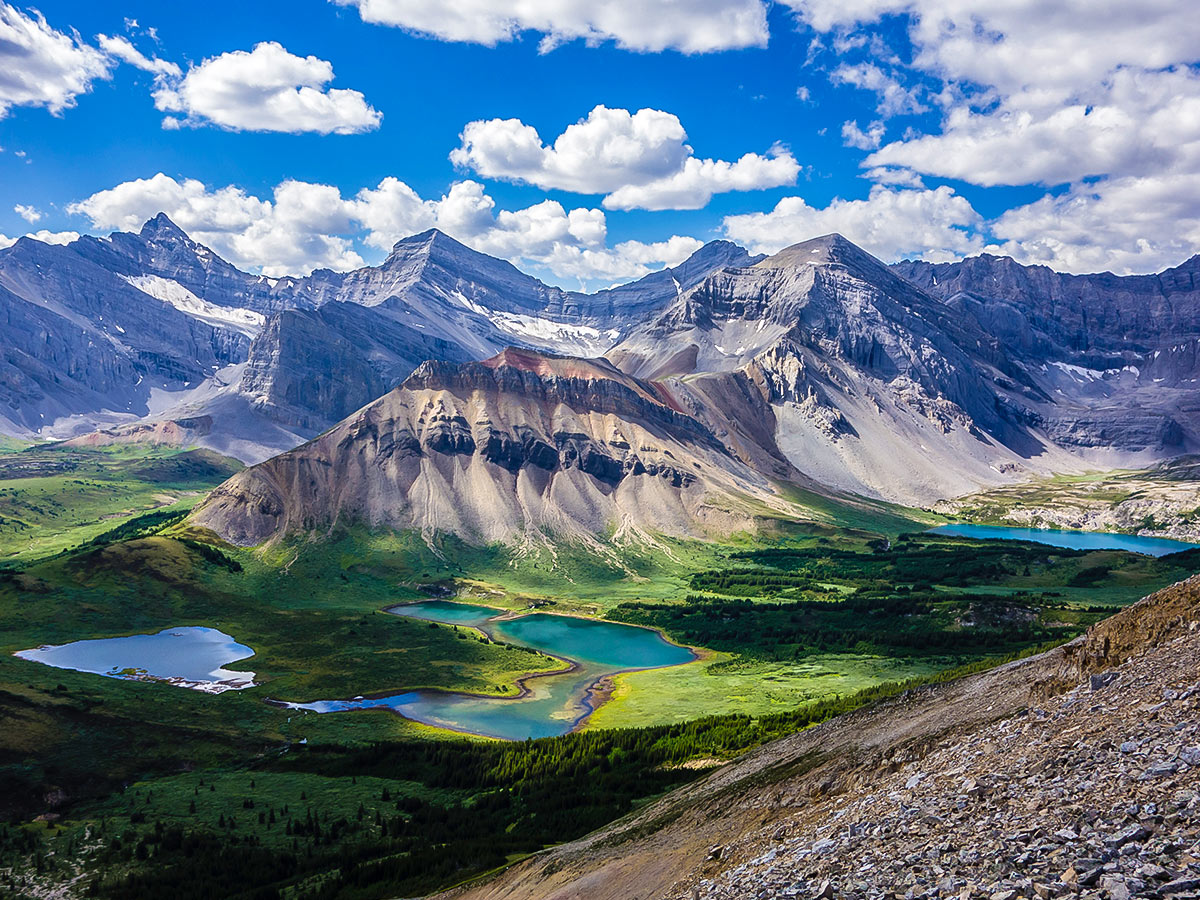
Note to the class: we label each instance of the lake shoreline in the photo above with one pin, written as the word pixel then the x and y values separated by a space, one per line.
pixel 138 656
pixel 1067 538
pixel 592 695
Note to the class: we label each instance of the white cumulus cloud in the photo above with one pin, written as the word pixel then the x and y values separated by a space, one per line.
pixel 42 67
pixel 45 236
pixel 1098 99
pixel 690 26
pixel 854 136
pixel 29 213
pixel 892 224
pixel 1135 224
pixel 304 226
pixel 640 160
pixel 693 186
pixel 292 233
pixel 894 98
pixel 54 237
pixel 1136 124
pixel 265 89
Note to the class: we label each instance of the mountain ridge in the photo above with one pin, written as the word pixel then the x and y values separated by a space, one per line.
pixel 909 383
pixel 437 320
pixel 525 449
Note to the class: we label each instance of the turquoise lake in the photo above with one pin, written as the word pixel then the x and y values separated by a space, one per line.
pixel 1072 540
pixel 189 657
pixel 554 704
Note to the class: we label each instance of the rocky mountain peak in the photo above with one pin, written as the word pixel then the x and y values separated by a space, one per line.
pixel 425 241
pixel 440 259
pixel 434 245
pixel 160 228
pixel 829 250
pixel 717 254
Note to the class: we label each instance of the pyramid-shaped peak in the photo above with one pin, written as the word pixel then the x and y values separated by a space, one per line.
pixel 718 253
pixel 429 240
pixel 449 262
pixel 828 249
pixel 161 227
pixel 435 246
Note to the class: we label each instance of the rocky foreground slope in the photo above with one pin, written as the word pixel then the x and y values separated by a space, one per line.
pixel 1075 773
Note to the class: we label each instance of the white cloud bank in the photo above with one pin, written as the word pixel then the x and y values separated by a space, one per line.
pixel 639 160
pixel 264 89
pixel 305 226
pixel 45 236
pixel 1100 96
pixel 892 224
pixel 690 26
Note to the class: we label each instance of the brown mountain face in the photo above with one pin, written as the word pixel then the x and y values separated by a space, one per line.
pixel 522 448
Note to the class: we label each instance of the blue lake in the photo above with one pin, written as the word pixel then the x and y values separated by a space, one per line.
pixel 189 657
pixel 553 704
pixel 1073 540
pixel 446 612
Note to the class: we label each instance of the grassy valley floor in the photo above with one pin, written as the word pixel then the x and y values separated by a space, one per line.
pixel 54 497
pixel 129 789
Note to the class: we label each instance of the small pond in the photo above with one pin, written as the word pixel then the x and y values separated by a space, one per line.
pixel 190 657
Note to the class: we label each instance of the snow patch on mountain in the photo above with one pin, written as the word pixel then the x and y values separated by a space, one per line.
pixel 561 337
pixel 245 321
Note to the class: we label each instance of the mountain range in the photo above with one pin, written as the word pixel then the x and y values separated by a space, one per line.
pixel 451 392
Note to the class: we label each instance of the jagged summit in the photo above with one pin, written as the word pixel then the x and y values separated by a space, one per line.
pixel 161 227
pixel 431 240
pixel 448 264
pixel 716 254
pixel 435 246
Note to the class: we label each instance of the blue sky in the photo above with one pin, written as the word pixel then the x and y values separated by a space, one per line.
pixel 935 128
